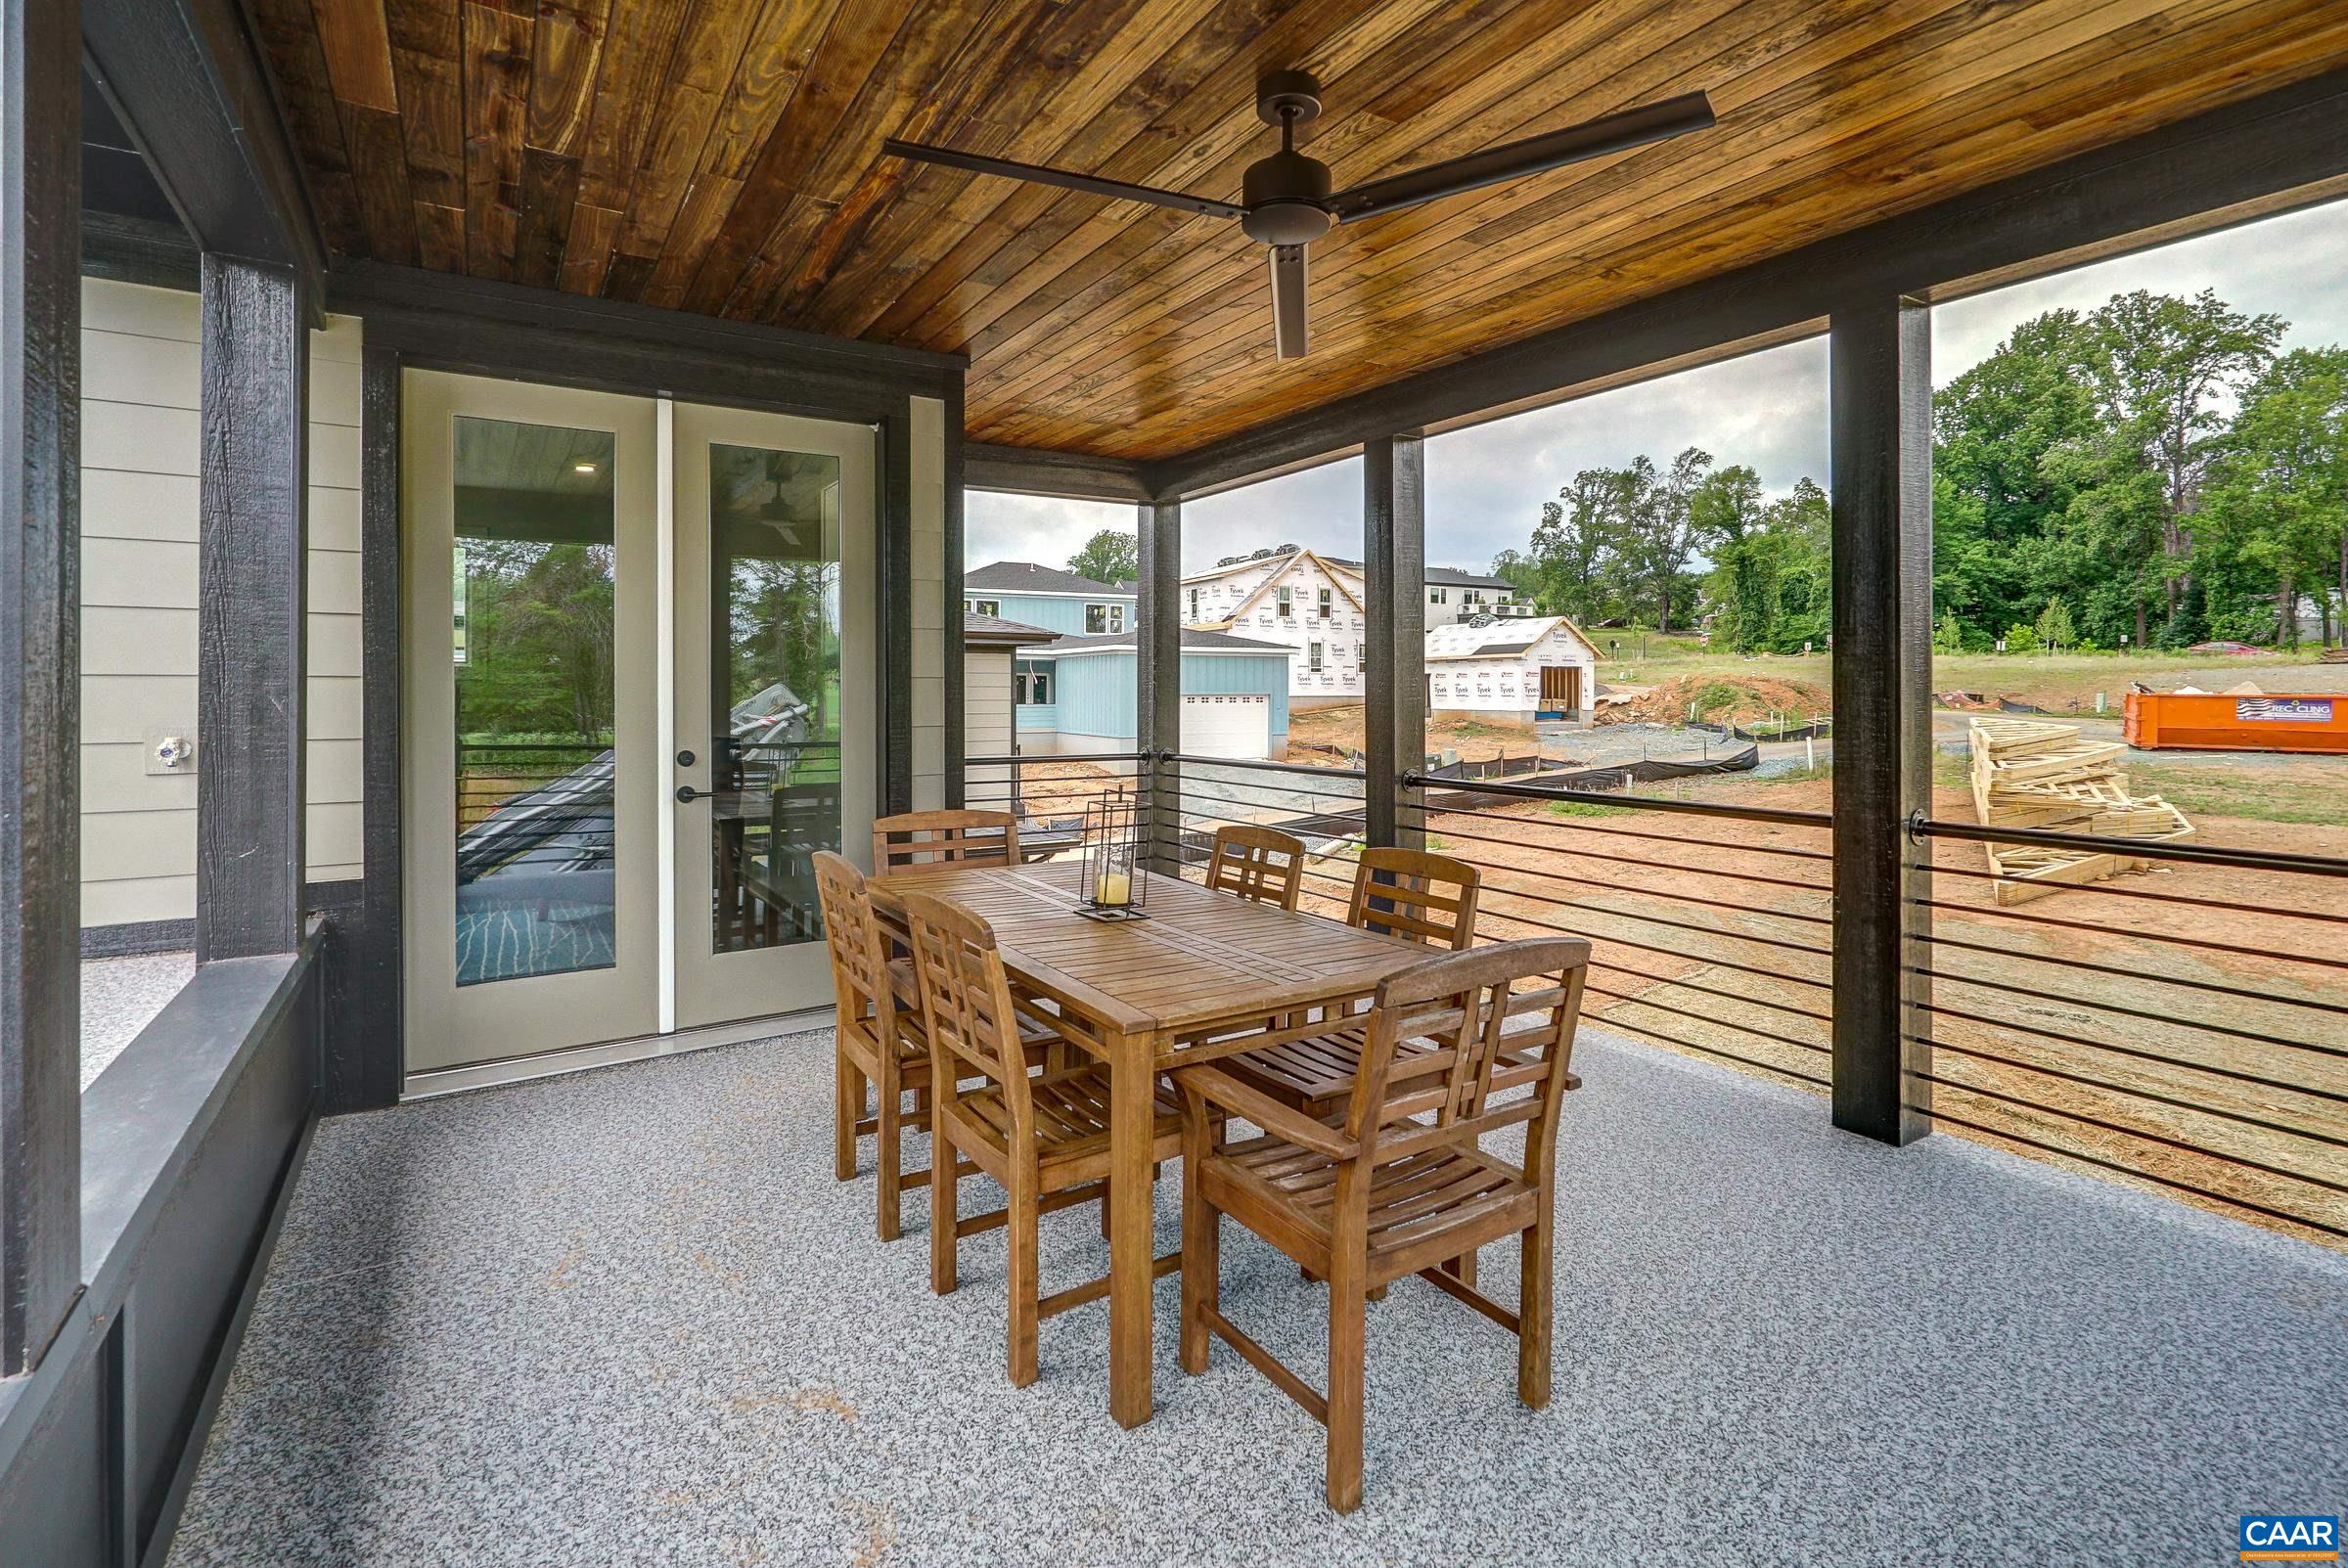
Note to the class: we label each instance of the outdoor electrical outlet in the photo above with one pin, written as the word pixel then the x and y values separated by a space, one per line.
pixel 170 753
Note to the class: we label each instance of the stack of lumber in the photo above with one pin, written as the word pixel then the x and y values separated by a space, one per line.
pixel 2333 656
pixel 2037 774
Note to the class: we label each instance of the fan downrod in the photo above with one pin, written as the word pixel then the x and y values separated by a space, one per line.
pixel 1288 97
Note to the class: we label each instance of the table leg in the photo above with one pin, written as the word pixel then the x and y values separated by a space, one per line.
pixel 1131 1118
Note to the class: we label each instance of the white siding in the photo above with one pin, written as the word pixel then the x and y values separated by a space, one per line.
pixel 1342 636
pixel 928 436
pixel 139 446
pixel 986 721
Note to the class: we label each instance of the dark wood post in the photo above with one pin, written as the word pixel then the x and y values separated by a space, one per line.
pixel 896 587
pixel 1157 673
pixel 41 673
pixel 1394 722
pixel 1881 363
pixel 252 616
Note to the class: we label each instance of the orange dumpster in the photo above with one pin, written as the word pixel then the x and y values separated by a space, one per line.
pixel 2316 722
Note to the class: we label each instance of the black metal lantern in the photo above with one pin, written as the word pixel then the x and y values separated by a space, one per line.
pixel 1113 887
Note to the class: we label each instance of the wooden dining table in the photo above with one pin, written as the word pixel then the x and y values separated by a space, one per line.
pixel 1204 975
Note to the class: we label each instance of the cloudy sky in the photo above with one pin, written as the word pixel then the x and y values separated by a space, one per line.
pixel 1485 485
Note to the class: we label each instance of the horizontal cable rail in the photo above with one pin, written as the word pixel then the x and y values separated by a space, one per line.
pixel 2163 1028
pixel 2252 860
pixel 1691 808
pixel 2184 1034
pixel 1679 967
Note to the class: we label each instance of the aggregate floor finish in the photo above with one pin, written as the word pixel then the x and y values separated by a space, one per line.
pixel 628 1318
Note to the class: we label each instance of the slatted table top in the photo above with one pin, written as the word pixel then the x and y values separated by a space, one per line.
pixel 1199 960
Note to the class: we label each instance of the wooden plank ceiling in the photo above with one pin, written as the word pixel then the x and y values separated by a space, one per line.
pixel 723 157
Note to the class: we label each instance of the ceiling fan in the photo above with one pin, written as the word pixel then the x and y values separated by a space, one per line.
pixel 1285 200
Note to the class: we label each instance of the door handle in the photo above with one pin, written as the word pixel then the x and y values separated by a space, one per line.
pixel 687 794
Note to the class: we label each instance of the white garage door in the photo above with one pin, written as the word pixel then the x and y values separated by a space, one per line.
pixel 1235 725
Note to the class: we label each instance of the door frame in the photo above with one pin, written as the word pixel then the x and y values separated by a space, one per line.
pixel 527 1014
pixel 697 984
pixel 913 398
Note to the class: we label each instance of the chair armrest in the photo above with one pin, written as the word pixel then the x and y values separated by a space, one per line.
pixel 1209 1083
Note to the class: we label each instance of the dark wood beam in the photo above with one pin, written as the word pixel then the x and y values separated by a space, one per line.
pixel 186 81
pixel 437 320
pixel 2238 160
pixel 1071 476
pixel 1157 673
pixel 250 615
pixel 1880 366
pixel 41 675
pixel 1394 577
pixel 155 255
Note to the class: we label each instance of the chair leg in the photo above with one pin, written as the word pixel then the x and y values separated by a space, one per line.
pixel 944 1215
pixel 1201 1240
pixel 892 1153
pixel 1347 1353
pixel 1533 1316
pixel 1463 1268
pixel 847 1113
pixel 1021 1230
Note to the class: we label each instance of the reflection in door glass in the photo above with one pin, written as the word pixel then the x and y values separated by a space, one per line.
pixel 532 642
pixel 774 558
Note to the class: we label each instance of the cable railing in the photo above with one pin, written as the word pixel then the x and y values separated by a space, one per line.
pixel 1049 792
pixel 2185 1029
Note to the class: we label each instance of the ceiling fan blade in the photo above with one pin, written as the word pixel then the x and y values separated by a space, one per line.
pixel 1038 174
pixel 1288 301
pixel 1615 133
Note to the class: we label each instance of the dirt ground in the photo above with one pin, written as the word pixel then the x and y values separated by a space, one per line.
pixel 2061 1028
pixel 1726 697
pixel 1341 728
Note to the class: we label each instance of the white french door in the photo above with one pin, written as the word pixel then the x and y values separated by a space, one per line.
pixel 775 695
pixel 638 660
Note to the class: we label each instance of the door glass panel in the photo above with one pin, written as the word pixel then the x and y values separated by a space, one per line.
pixel 532 655
pixel 775 721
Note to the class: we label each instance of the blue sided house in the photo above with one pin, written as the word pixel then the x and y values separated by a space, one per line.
pixel 1235 695
pixel 1057 602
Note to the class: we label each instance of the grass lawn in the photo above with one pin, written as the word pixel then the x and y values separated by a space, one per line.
pixel 2048 680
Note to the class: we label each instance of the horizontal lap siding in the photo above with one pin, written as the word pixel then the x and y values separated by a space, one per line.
pixel 929 434
pixel 140 432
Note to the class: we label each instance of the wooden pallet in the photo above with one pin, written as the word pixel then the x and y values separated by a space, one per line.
pixel 2037 774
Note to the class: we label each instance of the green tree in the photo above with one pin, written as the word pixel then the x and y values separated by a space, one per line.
pixel 1578 548
pixel 1996 502
pixel 2163 367
pixel 2055 626
pixel 1109 557
pixel 1747 560
pixel 1948 635
pixel 2277 506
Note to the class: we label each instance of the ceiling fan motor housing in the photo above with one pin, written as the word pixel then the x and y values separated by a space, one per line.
pixel 1287 197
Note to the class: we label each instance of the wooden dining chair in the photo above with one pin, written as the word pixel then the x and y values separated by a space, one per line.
pixel 1382 1193
pixel 1262 864
pixel 1045 1139
pixel 917 838
pixel 1409 893
pixel 879 1038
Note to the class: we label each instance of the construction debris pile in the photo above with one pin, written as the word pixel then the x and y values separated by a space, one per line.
pixel 2034 772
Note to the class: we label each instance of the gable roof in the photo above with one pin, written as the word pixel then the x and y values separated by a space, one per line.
pixel 976 628
pixel 1192 642
pixel 1498 638
pixel 1026 577
pixel 1435 576
pixel 1281 567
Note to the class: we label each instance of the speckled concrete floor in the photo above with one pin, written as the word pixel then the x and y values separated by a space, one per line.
pixel 628 1318
pixel 119 997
